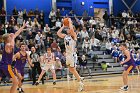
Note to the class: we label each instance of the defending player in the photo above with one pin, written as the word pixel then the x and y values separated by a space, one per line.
pixel 7 55
pixel 21 59
pixel 129 61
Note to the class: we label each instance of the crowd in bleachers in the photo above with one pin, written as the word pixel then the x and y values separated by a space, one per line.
pixel 92 34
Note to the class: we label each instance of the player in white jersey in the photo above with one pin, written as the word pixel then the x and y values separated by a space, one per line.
pixel 70 43
pixel 49 64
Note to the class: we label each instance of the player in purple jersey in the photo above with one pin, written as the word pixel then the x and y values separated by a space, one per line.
pixel 21 59
pixel 7 55
pixel 130 65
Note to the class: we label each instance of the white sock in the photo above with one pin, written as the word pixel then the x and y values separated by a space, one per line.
pixel 19 89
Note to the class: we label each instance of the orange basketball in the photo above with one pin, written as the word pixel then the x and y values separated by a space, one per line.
pixel 66 22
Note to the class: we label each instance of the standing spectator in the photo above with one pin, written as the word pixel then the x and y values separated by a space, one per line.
pixel 106 19
pixel 63 12
pixel 15 11
pixel 25 16
pixel 20 13
pixel 52 18
pixel 36 12
pixel 37 68
pixel 41 17
pixel 58 14
pixel 2 15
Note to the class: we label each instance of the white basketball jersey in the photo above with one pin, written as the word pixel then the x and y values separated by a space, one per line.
pixel 48 59
pixel 69 44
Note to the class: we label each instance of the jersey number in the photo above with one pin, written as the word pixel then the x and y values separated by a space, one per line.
pixel 67 43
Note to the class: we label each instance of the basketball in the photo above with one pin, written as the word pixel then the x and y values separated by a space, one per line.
pixel 66 22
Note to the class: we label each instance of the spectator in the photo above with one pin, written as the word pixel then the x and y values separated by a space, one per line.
pixel 10 29
pixel 15 11
pixel 30 13
pixel 41 17
pixel 94 44
pixel 25 16
pixel 20 13
pixel 36 12
pixel 3 14
pixel 83 65
pixel 58 66
pixel 106 19
pixel 52 18
pixel 63 12
pixel 35 23
pixel 86 45
pixel 84 33
pixel 58 14
pixel 12 20
pixel 20 20
pixel 58 24
pixel 54 45
pixel 46 28
pixel 58 53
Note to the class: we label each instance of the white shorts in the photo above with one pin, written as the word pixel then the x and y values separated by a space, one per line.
pixel 47 67
pixel 70 61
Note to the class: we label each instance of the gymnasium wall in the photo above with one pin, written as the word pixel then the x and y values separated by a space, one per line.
pixel 1 4
pixel 79 9
pixel 119 6
pixel 44 5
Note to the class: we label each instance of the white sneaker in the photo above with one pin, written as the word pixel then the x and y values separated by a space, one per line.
pixel 125 88
pixel 81 87
pixel 82 78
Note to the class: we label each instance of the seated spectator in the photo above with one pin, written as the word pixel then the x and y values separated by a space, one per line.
pixel 20 13
pixel 30 13
pixel 20 20
pixel 58 53
pixel 46 28
pixel 12 20
pixel 54 45
pixel 58 66
pixel 58 14
pixel 47 42
pixel 10 29
pixel 38 36
pixel 83 65
pixel 115 54
pixel 86 45
pixel 108 47
pixel 35 23
pixel 94 44
pixel 58 24
pixel 84 33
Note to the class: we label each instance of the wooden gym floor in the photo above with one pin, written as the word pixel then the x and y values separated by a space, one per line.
pixel 98 84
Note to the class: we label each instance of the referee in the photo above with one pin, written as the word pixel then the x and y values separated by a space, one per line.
pixel 37 68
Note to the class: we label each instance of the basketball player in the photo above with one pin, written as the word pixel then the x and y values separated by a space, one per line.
pixel 129 61
pixel 21 58
pixel 70 43
pixel 49 64
pixel 7 55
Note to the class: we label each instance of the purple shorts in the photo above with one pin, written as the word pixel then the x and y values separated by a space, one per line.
pixel 6 70
pixel 129 68
pixel 19 71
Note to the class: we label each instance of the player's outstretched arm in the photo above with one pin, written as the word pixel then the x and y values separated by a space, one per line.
pixel 59 33
pixel 73 34
pixel 20 30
